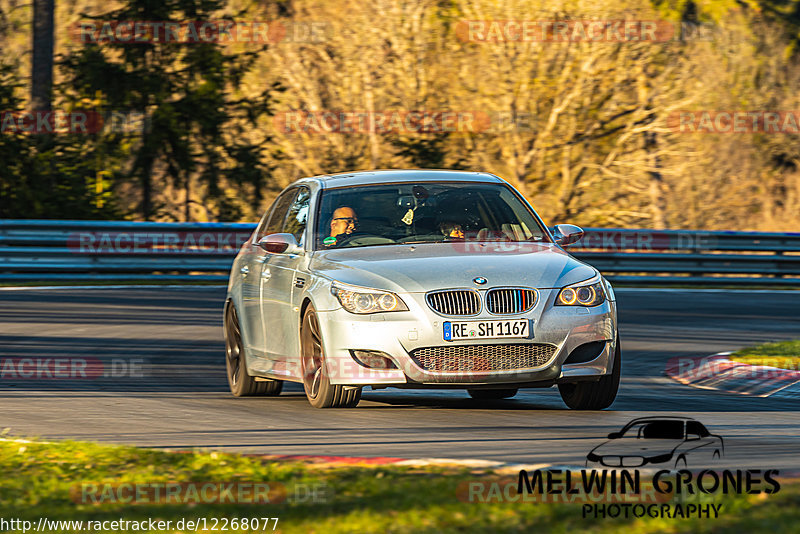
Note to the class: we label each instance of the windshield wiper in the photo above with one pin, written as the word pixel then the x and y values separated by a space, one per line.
pixel 418 242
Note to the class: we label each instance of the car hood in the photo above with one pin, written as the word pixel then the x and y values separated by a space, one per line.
pixel 637 447
pixel 430 266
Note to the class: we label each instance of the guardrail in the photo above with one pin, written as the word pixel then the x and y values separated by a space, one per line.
pixel 58 251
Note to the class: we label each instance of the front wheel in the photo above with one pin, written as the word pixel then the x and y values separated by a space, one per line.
pixel 594 395
pixel 240 383
pixel 319 390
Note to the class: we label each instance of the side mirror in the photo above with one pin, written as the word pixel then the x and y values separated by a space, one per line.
pixel 280 244
pixel 614 435
pixel 566 234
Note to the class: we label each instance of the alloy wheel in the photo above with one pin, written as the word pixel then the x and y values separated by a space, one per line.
pixel 312 355
pixel 233 346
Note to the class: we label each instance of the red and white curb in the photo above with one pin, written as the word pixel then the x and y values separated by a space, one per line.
pixel 720 373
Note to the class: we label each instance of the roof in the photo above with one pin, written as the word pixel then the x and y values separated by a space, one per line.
pixel 346 179
pixel 660 418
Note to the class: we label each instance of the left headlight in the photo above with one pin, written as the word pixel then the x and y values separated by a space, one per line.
pixel 590 293
pixel 363 300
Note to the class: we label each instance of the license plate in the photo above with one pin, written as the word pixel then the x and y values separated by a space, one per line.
pixel 486 329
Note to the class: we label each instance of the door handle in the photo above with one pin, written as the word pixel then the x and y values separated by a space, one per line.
pixel 266 275
pixel 244 270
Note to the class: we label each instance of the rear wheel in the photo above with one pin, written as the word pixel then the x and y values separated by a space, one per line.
pixel 492 394
pixel 594 395
pixel 319 390
pixel 240 383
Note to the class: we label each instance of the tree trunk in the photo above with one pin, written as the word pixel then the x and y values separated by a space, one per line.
pixel 147 190
pixel 657 193
pixel 42 69
pixel 188 189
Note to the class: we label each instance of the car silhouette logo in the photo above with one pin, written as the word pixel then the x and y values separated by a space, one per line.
pixel 479 280
pixel 674 441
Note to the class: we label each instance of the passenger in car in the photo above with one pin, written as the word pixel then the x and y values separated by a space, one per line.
pixel 451 229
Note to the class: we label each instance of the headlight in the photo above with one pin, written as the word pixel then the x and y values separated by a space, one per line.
pixel 589 293
pixel 363 300
pixel 660 459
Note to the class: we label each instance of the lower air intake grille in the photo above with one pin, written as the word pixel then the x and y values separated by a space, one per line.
pixel 482 358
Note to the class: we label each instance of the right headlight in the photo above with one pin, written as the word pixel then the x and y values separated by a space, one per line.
pixel 364 300
pixel 589 293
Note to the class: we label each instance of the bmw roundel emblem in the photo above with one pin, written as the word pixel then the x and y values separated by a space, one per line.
pixel 479 280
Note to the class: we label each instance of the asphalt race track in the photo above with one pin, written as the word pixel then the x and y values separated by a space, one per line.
pixel 176 395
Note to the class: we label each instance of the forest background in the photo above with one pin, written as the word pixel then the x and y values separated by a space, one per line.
pixel 585 129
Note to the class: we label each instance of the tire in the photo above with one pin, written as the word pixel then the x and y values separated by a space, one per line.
pixel 594 395
pixel 316 383
pixel 492 394
pixel 241 383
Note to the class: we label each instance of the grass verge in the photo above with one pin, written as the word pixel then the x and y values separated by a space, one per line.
pixel 783 354
pixel 49 480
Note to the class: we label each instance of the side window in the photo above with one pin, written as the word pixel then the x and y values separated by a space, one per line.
pixel 695 428
pixel 277 214
pixel 298 214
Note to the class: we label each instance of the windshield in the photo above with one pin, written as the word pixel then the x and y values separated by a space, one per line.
pixel 656 430
pixel 388 214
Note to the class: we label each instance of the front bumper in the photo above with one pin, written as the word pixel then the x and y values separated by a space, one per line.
pixel 398 334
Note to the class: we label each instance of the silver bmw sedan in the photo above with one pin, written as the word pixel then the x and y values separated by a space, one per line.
pixel 416 279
